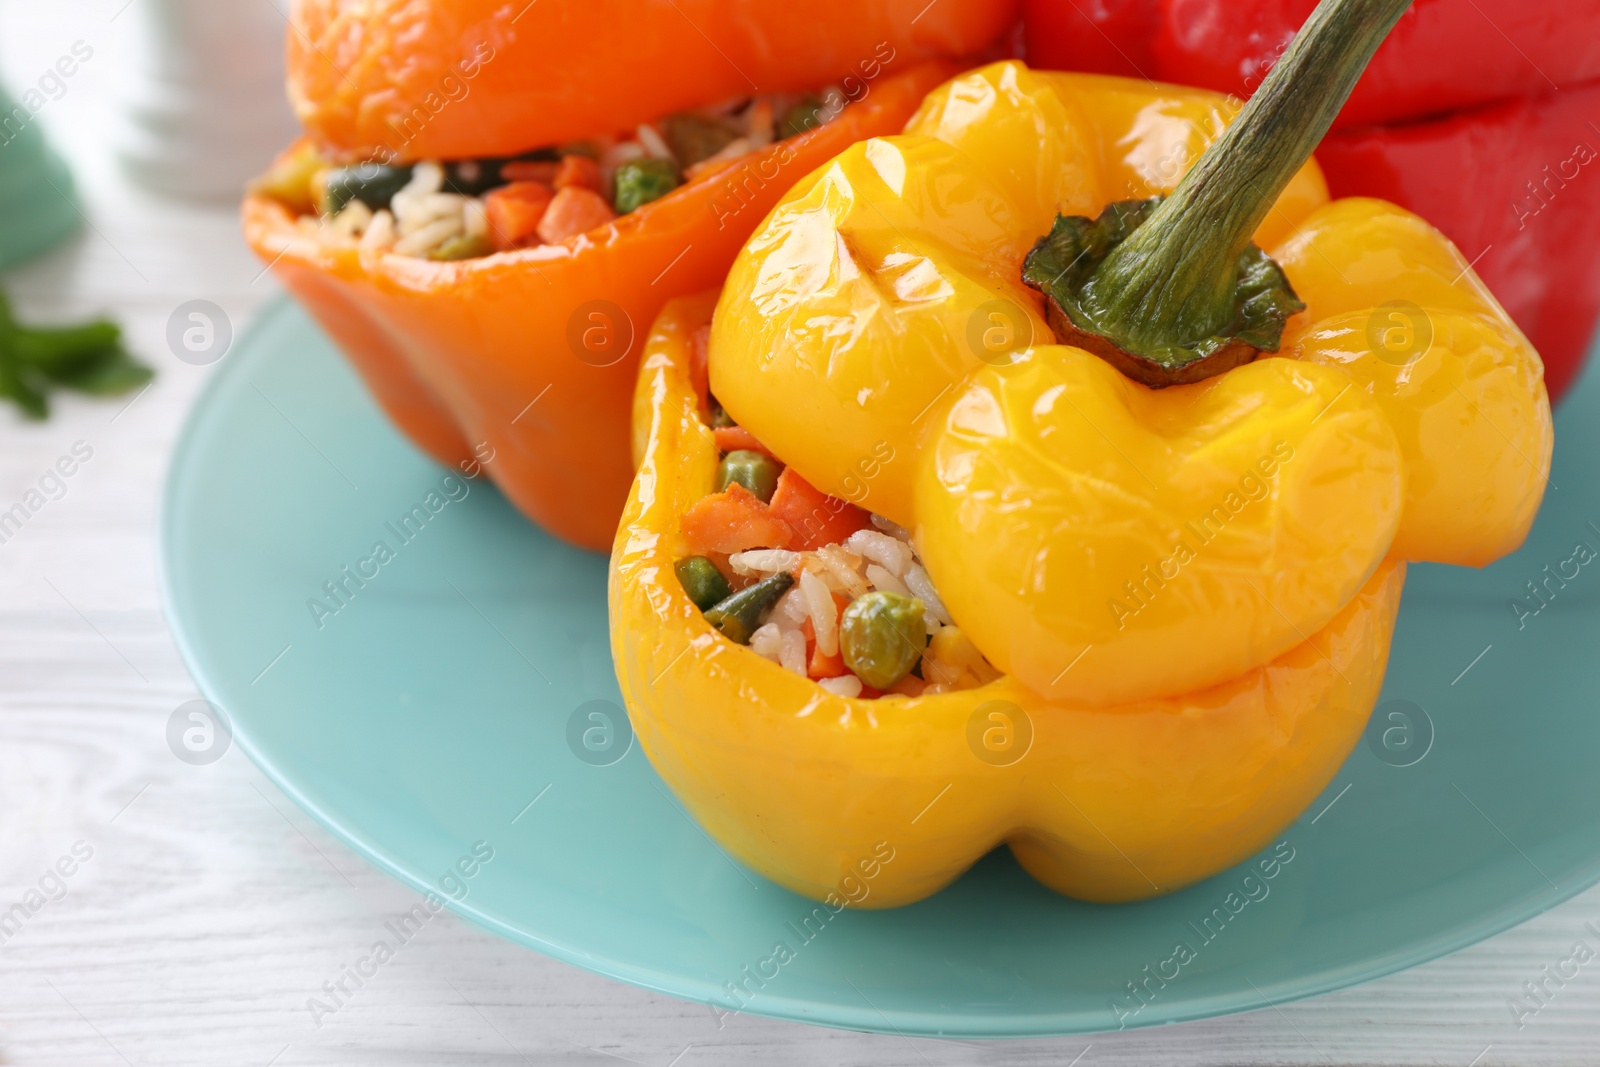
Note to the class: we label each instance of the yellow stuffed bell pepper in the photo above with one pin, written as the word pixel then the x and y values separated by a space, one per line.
pixel 813 790
pixel 1147 576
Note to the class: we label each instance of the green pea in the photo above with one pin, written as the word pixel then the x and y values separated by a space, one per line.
pixel 374 184
pixel 719 415
pixel 754 471
pixel 702 581
pixel 881 636
pixel 804 116
pixel 741 614
pixel 642 181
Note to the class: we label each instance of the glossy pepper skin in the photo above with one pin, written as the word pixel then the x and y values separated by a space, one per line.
pixel 1443 54
pixel 525 360
pixel 803 786
pixel 1512 186
pixel 413 79
pixel 1101 542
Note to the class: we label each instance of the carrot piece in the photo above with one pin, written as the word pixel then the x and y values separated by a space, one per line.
pixel 535 171
pixel 820 666
pixel 909 686
pixel 826 666
pixel 817 664
pixel 816 518
pixel 736 438
pixel 515 211
pixel 733 521
pixel 574 210
pixel 579 171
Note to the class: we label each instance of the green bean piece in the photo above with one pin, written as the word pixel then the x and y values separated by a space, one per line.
pixel 805 116
pixel 642 181
pixel 881 636
pixel 741 614
pixel 693 138
pixel 702 581
pixel 756 472
pixel 374 184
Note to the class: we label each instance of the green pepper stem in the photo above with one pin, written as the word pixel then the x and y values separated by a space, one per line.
pixel 1172 281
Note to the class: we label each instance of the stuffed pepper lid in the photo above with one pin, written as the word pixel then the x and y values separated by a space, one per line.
pixel 406 80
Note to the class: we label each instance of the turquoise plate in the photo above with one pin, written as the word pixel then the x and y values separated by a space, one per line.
pixel 461 700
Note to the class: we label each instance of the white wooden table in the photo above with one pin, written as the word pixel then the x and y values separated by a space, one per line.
pixel 211 908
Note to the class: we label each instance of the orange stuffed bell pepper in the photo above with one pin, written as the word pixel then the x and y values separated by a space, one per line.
pixel 911 581
pixel 494 200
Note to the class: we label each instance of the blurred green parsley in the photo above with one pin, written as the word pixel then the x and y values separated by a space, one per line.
pixel 89 358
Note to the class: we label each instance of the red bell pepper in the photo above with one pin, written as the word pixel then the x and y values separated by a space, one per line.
pixel 1443 54
pixel 1097 36
pixel 1516 186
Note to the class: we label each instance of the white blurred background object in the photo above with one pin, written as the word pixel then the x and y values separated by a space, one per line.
pixel 205 108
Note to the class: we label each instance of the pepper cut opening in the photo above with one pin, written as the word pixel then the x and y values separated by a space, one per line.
pixel 814 583
pixel 448 210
